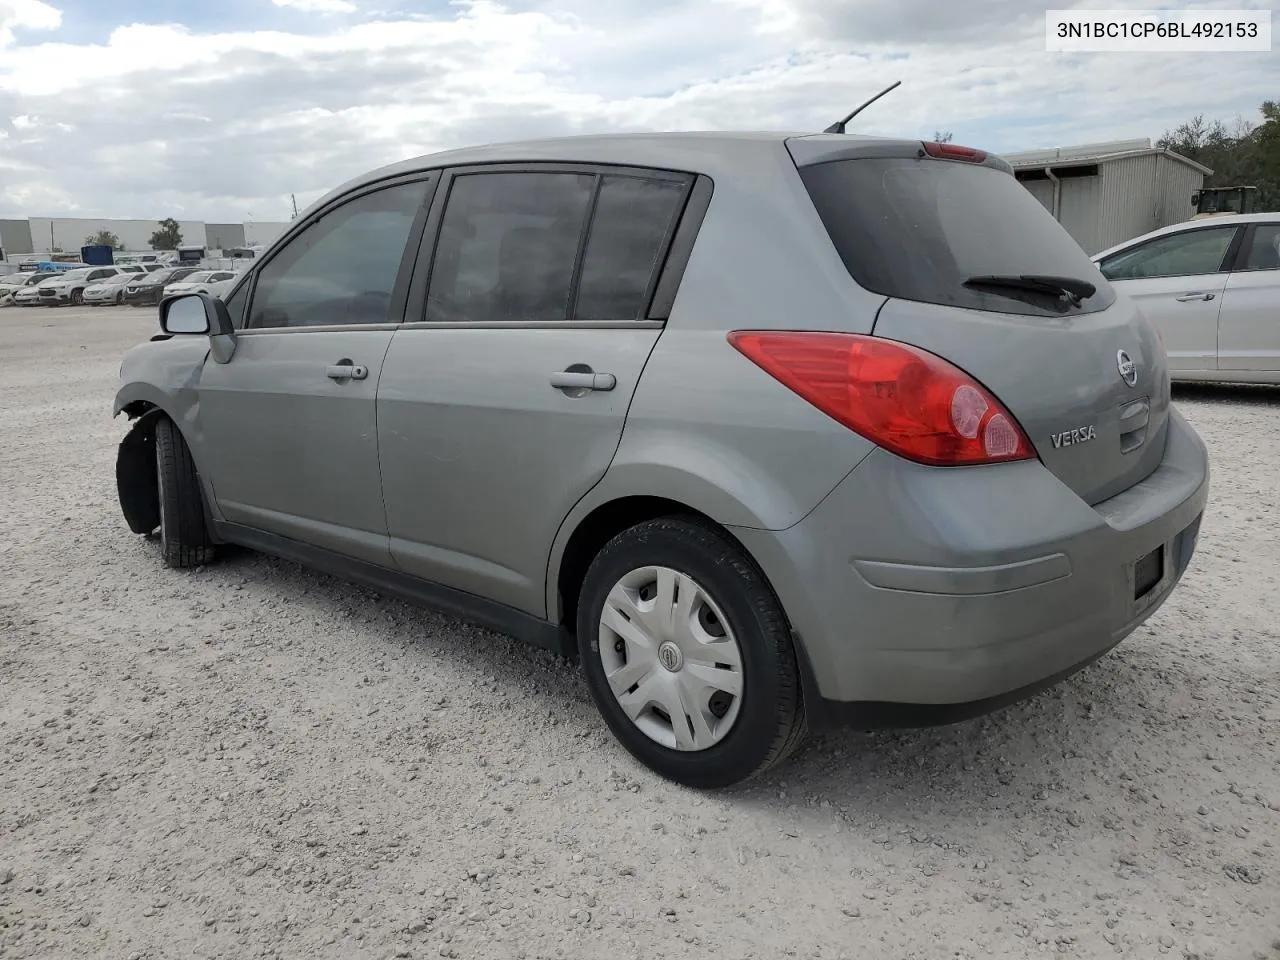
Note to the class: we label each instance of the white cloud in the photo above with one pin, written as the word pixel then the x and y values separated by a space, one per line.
pixel 26 14
pixel 214 124
pixel 318 6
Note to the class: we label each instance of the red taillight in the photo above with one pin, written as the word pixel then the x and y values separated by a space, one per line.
pixel 949 151
pixel 900 397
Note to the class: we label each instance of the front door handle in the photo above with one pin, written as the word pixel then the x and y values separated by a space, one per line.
pixel 346 370
pixel 1194 296
pixel 576 380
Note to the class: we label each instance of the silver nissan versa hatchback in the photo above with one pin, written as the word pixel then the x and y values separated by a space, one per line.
pixel 770 432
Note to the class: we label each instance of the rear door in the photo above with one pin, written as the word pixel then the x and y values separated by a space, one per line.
pixel 1249 322
pixel 504 403
pixel 1177 281
pixel 952 243
pixel 288 428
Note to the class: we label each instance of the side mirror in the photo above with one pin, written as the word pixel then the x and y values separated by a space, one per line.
pixel 200 313
pixel 184 315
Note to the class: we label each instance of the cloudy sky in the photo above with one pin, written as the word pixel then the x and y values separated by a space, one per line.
pixel 219 109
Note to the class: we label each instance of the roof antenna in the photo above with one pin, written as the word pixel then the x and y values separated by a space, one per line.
pixel 839 125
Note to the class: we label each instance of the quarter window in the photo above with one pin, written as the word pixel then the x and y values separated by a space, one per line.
pixel 1178 255
pixel 633 220
pixel 342 268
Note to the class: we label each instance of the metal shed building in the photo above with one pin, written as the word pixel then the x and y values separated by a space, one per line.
pixel 1106 193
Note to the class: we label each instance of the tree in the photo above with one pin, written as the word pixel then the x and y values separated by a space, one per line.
pixel 168 237
pixel 1239 154
pixel 941 137
pixel 103 238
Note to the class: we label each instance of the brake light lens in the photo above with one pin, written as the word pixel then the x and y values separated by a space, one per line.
pixel 907 400
pixel 950 151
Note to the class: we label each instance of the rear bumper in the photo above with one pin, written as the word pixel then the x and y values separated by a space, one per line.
pixel 935 594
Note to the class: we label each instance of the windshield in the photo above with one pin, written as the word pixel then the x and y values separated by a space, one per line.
pixel 198 277
pixel 918 229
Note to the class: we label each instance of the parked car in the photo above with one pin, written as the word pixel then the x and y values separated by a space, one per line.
pixel 69 287
pixel 12 284
pixel 149 288
pixel 221 288
pixel 1212 289
pixel 27 296
pixel 110 290
pixel 867 439
pixel 197 282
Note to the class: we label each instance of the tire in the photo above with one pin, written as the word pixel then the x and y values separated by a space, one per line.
pixel 184 535
pixel 729 738
pixel 119 299
pixel 77 297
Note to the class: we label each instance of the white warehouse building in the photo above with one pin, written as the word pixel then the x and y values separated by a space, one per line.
pixel 1106 193
pixel 21 238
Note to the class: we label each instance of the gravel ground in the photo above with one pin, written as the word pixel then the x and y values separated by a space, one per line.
pixel 254 760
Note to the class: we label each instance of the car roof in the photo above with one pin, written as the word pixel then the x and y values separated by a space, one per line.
pixel 1226 219
pixel 710 152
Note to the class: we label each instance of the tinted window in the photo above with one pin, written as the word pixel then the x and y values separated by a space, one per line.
pixel 633 219
pixel 342 268
pixel 508 246
pixel 1264 250
pixel 917 229
pixel 235 303
pixel 1177 255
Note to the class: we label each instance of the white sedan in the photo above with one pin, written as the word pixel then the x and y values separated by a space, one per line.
pixel 197 282
pixel 1211 287
pixel 109 290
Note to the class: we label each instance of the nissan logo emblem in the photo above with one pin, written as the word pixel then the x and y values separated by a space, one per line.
pixel 1128 369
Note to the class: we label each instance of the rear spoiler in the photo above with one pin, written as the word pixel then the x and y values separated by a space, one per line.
pixel 807 151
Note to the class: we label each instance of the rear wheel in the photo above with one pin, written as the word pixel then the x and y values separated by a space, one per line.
pixel 184 536
pixel 688 654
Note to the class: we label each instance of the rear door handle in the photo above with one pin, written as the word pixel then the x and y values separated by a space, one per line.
pixel 1194 296
pixel 573 380
pixel 346 370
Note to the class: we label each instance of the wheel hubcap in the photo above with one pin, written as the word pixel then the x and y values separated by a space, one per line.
pixel 670 658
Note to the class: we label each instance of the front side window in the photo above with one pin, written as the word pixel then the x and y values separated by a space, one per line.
pixel 342 268
pixel 1187 254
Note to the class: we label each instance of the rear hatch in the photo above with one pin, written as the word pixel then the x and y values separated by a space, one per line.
pixel 978 272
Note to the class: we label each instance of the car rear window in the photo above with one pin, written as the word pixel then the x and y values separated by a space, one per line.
pixel 917 229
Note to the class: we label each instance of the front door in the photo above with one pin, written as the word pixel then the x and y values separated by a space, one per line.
pixel 505 405
pixel 1177 281
pixel 1249 325
pixel 288 427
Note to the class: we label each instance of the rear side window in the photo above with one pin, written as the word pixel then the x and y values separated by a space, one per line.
pixel 508 245
pixel 543 247
pixel 1264 248
pixel 917 229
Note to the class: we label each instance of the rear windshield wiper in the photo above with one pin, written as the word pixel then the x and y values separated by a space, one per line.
pixel 1072 288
